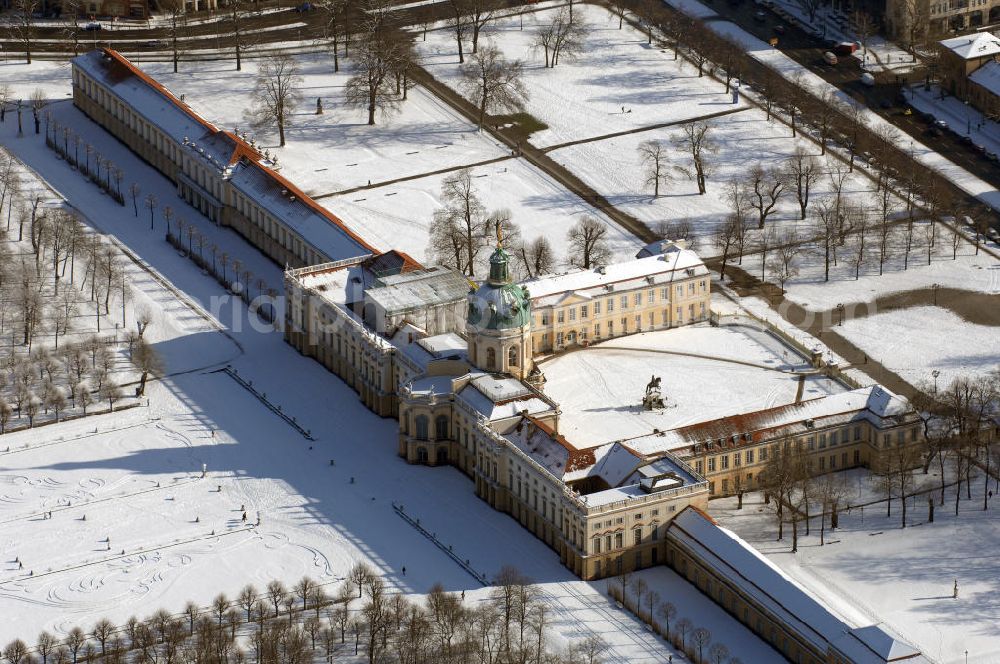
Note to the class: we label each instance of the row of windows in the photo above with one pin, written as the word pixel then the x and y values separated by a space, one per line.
pixel 636 299
pixel 624 325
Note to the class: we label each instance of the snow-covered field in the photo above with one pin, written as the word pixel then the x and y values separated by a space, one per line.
pixel 400 215
pixel 707 372
pixel 583 96
pixel 902 340
pixel 872 570
pixel 971 272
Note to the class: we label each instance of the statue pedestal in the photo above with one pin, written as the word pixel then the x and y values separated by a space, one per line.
pixel 652 401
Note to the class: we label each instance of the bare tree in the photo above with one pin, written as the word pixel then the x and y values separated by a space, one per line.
pixel 21 27
pixel 371 86
pixel 562 37
pixel 653 155
pixel 694 138
pixel 537 257
pixel 493 83
pixel 701 637
pixel 725 239
pixel 588 245
pixel 462 221
pixel 767 186
pixel 802 171
pixel 276 92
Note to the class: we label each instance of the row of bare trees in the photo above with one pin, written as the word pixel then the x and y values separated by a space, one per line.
pixel 296 626
pixel 956 435
pixel 463 226
pixel 636 596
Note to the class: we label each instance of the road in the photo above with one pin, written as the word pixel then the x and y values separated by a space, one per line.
pixel 807 50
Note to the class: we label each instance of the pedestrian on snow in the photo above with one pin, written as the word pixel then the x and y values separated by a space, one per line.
pixel 404 570
pixel 463 595
pixel 352 480
pixel 954 591
pixel 244 517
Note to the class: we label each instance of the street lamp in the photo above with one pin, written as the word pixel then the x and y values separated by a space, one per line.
pixel 934 288
pixel 935 373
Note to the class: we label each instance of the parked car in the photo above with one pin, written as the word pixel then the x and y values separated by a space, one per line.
pixel 829 58
pixel 929 117
pixel 933 131
pixel 868 80
pixel 941 124
pixel 780 29
pixel 304 7
pixel 845 48
pixel 966 140
pixel 759 16
pixel 981 149
pixel 92 27
pixel 992 156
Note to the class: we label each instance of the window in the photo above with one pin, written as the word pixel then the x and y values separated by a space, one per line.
pixel 711 487
pixel 625 331
pixel 680 291
pixel 651 296
pixel 611 304
pixel 680 314
pixel 737 458
pixel 583 311
pixel 561 316
pixel 572 313
pixel 822 441
pixel 763 454
pixel 559 338
pixel 422 424
pixel 749 457
pixel 725 486
pixel 597 308
pixel 637 299
pixel 699 466
pixel 711 464
pixel 597 545
pixel 619 540
pixel 491 359
pixel 512 356
pixel 611 328
pixel 624 301
pixel 725 462
pixel 637 536
pixel 441 427
pixel 597 329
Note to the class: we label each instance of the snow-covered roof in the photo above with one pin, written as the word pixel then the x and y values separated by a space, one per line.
pixel 428 385
pixel 988 77
pixel 653 269
pixel 874 403
pixel 226 152
pixel 970 47
pixel 147 98
pixel 499 397
pixel 306 218
pixel 419 289
pixel 755 576
pixel 443 345
pixel 423 351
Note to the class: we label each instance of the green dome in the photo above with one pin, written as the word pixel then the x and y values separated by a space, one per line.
pixel 499 304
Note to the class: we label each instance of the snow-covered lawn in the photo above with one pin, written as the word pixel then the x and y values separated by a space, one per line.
pixel 968 272
pixel 914 342
pixel 872 570
pixel 583 97
pixel 714 382
pixel 400 215
pixel 614 167
pixel 338 149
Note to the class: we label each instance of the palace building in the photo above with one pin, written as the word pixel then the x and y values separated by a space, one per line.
pixel 220 173
pixel 459 365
